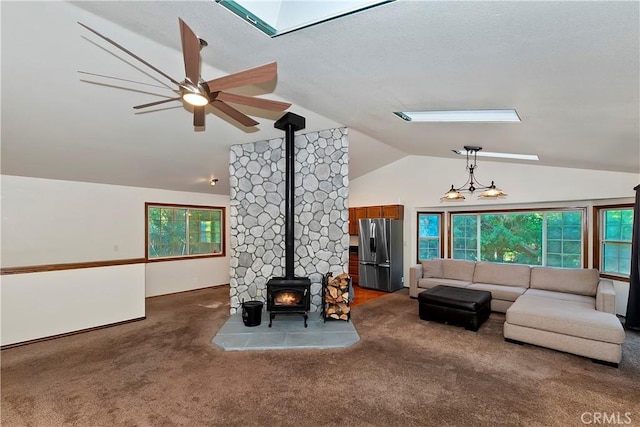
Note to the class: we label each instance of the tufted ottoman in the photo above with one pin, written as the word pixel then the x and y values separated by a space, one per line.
pixel 460 306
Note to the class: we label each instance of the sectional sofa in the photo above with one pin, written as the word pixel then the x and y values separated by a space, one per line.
pixel 570 310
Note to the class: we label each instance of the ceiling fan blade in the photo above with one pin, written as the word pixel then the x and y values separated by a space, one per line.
pixel 124 80
pixel 190 52
pixel 233 113
pixel 265 104
pixel 261 74
pixel 151 104
pixel 198 116
pixel 130 53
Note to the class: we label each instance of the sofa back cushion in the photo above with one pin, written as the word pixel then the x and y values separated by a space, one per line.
pixel 580 281
pixel 432 268
pixel 502 274
pixel 458 269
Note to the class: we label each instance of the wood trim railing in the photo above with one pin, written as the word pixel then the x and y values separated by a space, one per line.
pixel 70 266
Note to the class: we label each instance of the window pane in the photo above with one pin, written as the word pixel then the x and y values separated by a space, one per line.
pixel 465 237
pixel 616 241
pixel 554 246
pixel 511 238
pixel 428 236
pixel 617 258
pixel 564 239
pixel 168 236
pixel 554 260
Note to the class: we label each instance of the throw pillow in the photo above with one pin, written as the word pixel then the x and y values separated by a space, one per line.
pixel 432 268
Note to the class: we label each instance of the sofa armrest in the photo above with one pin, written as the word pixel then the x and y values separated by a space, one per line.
pixel 606 296
pixel 415 273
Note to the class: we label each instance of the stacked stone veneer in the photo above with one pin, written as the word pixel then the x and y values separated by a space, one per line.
pixel 321 217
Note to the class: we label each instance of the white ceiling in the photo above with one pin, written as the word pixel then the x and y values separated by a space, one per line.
pixel 570 69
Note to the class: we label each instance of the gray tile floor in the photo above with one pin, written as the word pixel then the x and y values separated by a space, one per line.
pixel 287 332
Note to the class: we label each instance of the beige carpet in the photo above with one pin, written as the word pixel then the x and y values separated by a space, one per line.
pixel 164 371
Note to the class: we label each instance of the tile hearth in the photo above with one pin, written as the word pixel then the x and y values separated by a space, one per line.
pixel 287 332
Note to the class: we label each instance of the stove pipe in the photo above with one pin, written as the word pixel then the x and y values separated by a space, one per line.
pixel 289 123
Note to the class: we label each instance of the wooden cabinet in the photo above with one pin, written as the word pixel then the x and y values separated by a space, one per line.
pixel 353 267
pixel 374 211
pixel 393 211
pixel 355 215
pixel 385 211
pixel 361 213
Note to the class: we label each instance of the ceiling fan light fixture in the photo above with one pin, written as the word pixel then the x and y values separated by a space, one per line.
pixel 193 94
pixel 195 99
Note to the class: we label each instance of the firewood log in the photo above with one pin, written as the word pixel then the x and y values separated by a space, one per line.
pixel 333 292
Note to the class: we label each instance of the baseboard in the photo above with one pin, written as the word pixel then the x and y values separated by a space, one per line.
pixel 68 334
pixel 187 290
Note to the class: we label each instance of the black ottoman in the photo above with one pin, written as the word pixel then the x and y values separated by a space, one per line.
pixel 460 306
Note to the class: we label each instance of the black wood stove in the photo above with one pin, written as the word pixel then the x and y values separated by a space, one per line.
pixel 289 294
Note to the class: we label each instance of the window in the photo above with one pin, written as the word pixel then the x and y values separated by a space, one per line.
pixel 429 235
pixel 176 231
pixel 465 237
pixel 552 238
pixel 612 240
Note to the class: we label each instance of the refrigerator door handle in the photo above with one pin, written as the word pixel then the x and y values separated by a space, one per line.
pixel 367 263
pixel 385 265
pixel 372 239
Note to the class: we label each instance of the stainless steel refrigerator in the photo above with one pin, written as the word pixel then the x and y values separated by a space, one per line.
pixel 380 254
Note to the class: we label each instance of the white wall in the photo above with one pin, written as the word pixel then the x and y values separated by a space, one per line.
pixel 37 305
pixel 51 222
pixel 418 182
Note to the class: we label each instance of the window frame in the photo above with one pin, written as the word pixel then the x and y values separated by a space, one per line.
pixel 584 228
pixel 597 238
pixel 440 214
pixel 223 231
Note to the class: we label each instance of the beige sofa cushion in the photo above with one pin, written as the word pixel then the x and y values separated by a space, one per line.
pixel 574 281
pixel 458 269
pixel 562 296
pixel 571 318
pixel 432 281
pixel 502 274
pixel 432 268
pixel 502 292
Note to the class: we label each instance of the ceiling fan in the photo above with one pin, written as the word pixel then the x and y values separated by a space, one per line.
pixel 199 93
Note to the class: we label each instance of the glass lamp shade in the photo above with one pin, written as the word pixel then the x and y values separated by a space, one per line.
pixel 195 99
pixel 452 195
pixel 492 192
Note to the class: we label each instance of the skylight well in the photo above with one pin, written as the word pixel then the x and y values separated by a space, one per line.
pixel 499 155
pixel 277 17
pixel 469 116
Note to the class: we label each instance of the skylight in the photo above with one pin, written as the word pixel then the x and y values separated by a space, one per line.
pixel 482 116
pixel 277 17
pixel 499 155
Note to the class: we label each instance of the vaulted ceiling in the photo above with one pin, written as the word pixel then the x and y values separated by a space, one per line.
pixel 570 69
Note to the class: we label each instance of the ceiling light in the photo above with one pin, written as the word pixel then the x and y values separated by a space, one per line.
pixel 213 182
pixel 480 116
pixel 500 155
pixel 195 99
pixel 490 191
pixel 193 94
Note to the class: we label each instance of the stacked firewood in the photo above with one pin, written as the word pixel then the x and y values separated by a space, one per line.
pixel 336 297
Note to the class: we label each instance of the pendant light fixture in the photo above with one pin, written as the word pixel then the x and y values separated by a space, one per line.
pixel 472 184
